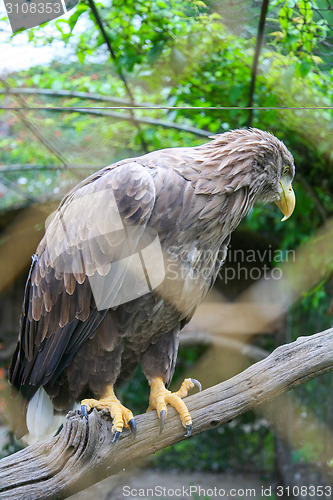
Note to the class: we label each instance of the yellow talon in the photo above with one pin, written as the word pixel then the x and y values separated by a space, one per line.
pixel 121 416
pixel 160 397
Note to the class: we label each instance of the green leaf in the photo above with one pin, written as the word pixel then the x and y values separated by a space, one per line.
pixel 285 16
pixel 304 68
pixel 81 56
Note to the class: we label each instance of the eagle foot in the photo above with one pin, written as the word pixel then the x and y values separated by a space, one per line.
pixel 121 416
pixel 160 397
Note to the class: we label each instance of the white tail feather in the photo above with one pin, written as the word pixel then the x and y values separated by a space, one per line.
pixel 42 423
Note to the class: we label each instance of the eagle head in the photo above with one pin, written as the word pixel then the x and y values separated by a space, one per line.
pixel 253 160
pixel 274 170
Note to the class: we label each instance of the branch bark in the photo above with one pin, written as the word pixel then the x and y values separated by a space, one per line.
pixel 127 117
pixel 260 35
pixel 118 101
pixel 83 454
pixel 111 114
pixel 120 72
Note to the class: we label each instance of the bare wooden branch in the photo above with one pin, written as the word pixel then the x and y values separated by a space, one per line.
pixel 118 101
pixel 83 454
pixel 26 167
pixel 193 337
pixel 100 23
pixel 261 27
pixel 115 100
pixel 127 117
pixel 313 195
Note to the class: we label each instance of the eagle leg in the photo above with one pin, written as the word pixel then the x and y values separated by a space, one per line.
pixel 160 397
pixel 121 416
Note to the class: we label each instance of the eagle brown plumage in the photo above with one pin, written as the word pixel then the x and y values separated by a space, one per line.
pixel 78 339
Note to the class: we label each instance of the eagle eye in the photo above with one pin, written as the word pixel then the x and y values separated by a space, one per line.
pixel 286 171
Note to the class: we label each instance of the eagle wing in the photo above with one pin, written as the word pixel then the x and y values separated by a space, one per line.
pixel 99 224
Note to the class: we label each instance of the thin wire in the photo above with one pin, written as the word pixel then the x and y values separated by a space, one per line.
pixel 186 108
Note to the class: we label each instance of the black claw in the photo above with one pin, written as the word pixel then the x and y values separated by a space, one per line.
pixel 188 431
pixel 162 420
pixel 132 425
pixel 116 437
pixel 59 430
pixel 84 412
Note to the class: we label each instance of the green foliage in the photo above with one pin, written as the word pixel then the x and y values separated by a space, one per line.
pixel 300 32
pixel 11 446
pixel 244 445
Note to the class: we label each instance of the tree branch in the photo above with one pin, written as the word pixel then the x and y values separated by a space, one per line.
pixel 127 117
pixel 313 196
pixel 83 454
pixel 193 337
pixel 100 25
pixel 102 98
pixel 118 101
pixel 261 27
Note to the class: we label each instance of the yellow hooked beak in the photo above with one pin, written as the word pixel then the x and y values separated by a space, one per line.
pixel 287 199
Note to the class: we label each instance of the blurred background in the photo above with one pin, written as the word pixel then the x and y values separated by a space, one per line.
pixel 194 69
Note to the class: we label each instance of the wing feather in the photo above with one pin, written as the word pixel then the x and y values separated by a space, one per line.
pixel 83 237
